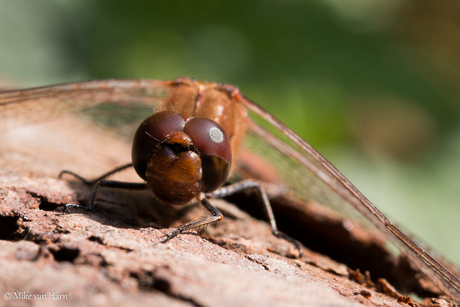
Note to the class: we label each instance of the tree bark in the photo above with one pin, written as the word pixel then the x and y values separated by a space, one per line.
pixel 52 254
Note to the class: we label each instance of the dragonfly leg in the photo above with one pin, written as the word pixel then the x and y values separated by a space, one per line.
pixel 255 185
pixel 109 184
pixel 216 216
pixel 114 184
pixel 103 183
pixel 91 182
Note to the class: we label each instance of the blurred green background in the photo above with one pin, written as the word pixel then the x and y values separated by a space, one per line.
pixel 372 84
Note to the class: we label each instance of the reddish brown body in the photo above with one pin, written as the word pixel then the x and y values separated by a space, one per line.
pixel 187 148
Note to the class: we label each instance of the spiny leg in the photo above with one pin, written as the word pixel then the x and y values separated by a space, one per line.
pixel 98 183
pixel 91 182
pixel 114 184
pixel 216 216
pixel 254 184
pixel 109 184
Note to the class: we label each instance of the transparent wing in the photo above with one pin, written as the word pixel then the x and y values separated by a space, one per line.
pixel 20 107
pixel 312 177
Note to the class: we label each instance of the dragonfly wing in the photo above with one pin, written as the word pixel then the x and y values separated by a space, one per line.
pixel 312 177
pixel 20 107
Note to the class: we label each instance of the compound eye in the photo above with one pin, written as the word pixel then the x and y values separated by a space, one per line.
pixel 214 148
pixel 151 133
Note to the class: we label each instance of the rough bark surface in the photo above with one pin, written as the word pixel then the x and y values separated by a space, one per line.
pixel 52 255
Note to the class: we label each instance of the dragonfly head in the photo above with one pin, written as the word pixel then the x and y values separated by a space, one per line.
pixel 181 157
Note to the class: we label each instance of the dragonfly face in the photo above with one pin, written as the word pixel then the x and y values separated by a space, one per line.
pixel 306 173
pixel 181 157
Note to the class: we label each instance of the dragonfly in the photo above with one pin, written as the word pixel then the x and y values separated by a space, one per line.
pixel 193 142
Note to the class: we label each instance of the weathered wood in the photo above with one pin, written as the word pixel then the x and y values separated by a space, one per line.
pixel 113 254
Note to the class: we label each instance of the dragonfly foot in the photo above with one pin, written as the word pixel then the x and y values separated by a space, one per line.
pixel 68 206
pixel 169 236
